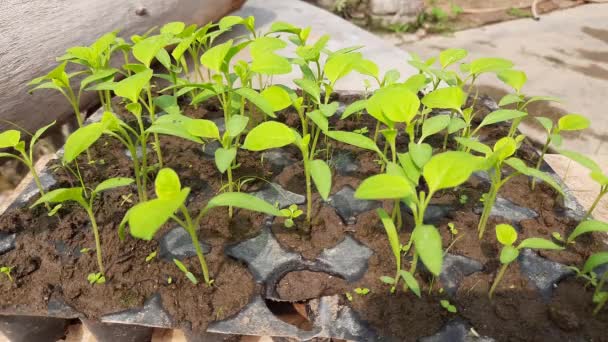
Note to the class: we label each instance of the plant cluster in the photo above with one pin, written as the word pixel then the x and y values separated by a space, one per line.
pixel 446 114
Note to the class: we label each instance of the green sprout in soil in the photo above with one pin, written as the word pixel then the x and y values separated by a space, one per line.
pixel 507 235
pixel 146 218
pixel 6 270
pixel 448 306
pixel 600 295
pixel 362 291
pixel 291 213
pixel 187 273
pixel 151 256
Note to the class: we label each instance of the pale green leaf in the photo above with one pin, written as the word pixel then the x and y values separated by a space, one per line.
pixel 447 98
pixel 434 125
pixel 514 78
pixel 521 167
pixel 420 153
pixel 506 234
pixel 450 56
pixel 243 201
pixel 391 233
pixel 131 87
pixel 267 135
pixel 214 58
pixel 80 140
pixel 449 169
pixel 146 218
pixel 588 226
pixel 167 184
pixel 112 183
pixel 310 87
pixel 384 186
pixel 277 97
pixel 594 261
pixel 321 176
pixel 62 195
pixel 538 243
pixel 224 158
pixel 9 138
pixel 236 125
pixel 354 139
pixel 145 50
pixel 489 64
pixel 258 100
pixel 427 241
pixel 573 122
pixel 508 254
pixel 202 128
pixel 510 99
pixel 501 115
pixel 353 108
pixel 411 282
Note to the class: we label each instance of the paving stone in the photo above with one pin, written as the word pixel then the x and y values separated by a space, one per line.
pixel 434 212
pixel 274 193
pixel 151 314
pixel 455 331
pixel 345 162
pixel 509 210
pixel 543 273
pixel 7 242
pixel 454 269
pixel 46 179
pixel 278 159
pixel 348 259
pixel 177 244
pixel 348 207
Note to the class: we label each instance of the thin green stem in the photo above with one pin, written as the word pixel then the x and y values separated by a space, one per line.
pixel 603 192
pixel 151 110
pixel 38 184
pixel 191 227
pixel 489 201
pixel 497 280
pixel 97 240
pixel 308 190
pixel 540 160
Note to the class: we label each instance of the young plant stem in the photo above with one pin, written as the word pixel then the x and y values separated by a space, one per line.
pixel 97 239
pixel 151 110
pixel 489 200
pixel 603 191
pixel 497 280
pixel 38 184
pixel 308 189
pixel 540 160
pixel 191 227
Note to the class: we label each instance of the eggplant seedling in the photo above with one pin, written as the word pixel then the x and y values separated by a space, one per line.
pixel 568 122
pixel 187 273
pixel 12 139
pixel 600 295
pixel 291 213
pixel 6 270
pixel 77 195
pixel 586 227
pixel 448 306
pixel 507 235
pixel 146 218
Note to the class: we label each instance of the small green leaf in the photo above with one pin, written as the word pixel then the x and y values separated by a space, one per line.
pixel 391 233
pixel 321 176
pixel 310 87
pixel 214 58
pixel 62 195
pixel 340 65
pixel 582 160
pixel 264 60
pixel 267 135
pixel 80 140
pixel 236 125
pixel 168 103
pixel 514 78
pixel 521 167
pixel 594 261
pixel 9 138
pixel 501 115
pixel 447 98
pixel 145 50
pixel 113 183
pixel 174 125
pixel 427 241
pixel 319 119
pixel 277 97
pixel 384 186
pixel 433 125
pixel 202 128
pixel 174 28
pixel 387 280
pixel 545 122
pixel 354 139
pixel 146 218
pixel 353 108
pixel 456 124
pixel 573 122
pixel 538 243
pixel 489 64
pixel 167 184
pixel 411 170
pixel 504 148
pixel 131 87
pixel 446 305
pixel 506 234
pixel 510 99
pixel 151 256
pixel 224 158
pixel 420 153
pixel 243 201
pixel 449 169
pixel 508 254
pixel 450 56
pixel 411 282
pixel 474 145
pixel 258 100
pixel 588 226
pixel 415 83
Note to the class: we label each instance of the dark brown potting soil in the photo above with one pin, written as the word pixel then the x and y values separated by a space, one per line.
pixel 517 312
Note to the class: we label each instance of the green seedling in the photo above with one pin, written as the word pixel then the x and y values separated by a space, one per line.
pixel 349 296
pixel 291 214
pixel 169 280
pixel 448 306
pixel 362 291
pixel 452 229
pixel 12 139
pixel 273 134
pixel 463 199
pixel 78 195
pixel 146 218
pixel 151 256
pixel 568 122
pixel 586 227
pixel 442 171
pixel 495 159
pixel 507 235
pixel 6 270
pixel 187 273
pixel 596 174
pixel 85 250
pixel 600 296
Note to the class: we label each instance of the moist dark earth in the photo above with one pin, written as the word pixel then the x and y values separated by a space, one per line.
pixel 48 261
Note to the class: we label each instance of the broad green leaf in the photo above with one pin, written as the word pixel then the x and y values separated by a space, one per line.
pixel 267 135
pixel 167 184
pixel 277 97
pixel 391 233
pixel 264 60
pixel 174 28
pixel 390 77
pixel 384 186
pixel 450 56
pixel 427 241
pixel 474 145
pixel 449 169
pixel 582 160
pixel 456 124
pixel 162 56
pixel 395 170
pixel 131 87
pixel 224 158
pixel 81 140
pixel 508 254
pixel 397 103
pixel 146 218
pixel 310 87
pixel 542 98
pixel 112 183
pixel 329 109
pixel 9 138
pixel 387 280
pixel 229 21
pixel 146 49
pixel 38 134
pixel 510 99
pixel 321 176
pixel 97 75
pixel 312 52
pixel 489 64
pixel 411 282
pixel 545 122
pixel 174 125
pixel 501 115
pixel 588 226
pixel 243 201
pixel 447 98
pixel 504 148
pixel 538 243
pixel 420 153
pixel 594 261
pixel 412 171
pixel 258 100
pixel 599 177
pixel 202 128
pixel 514 78
pixel 353 108
pixel 434 124
pixel 354 139
pixel 521 167
pixel 367 67
pixel 214 58
pixel 168 103
pixel 236 125
pixel 506 234
pixel 340 65
pixel 62 195
pixel 573 122
pixel 319 119
pixel 415 83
